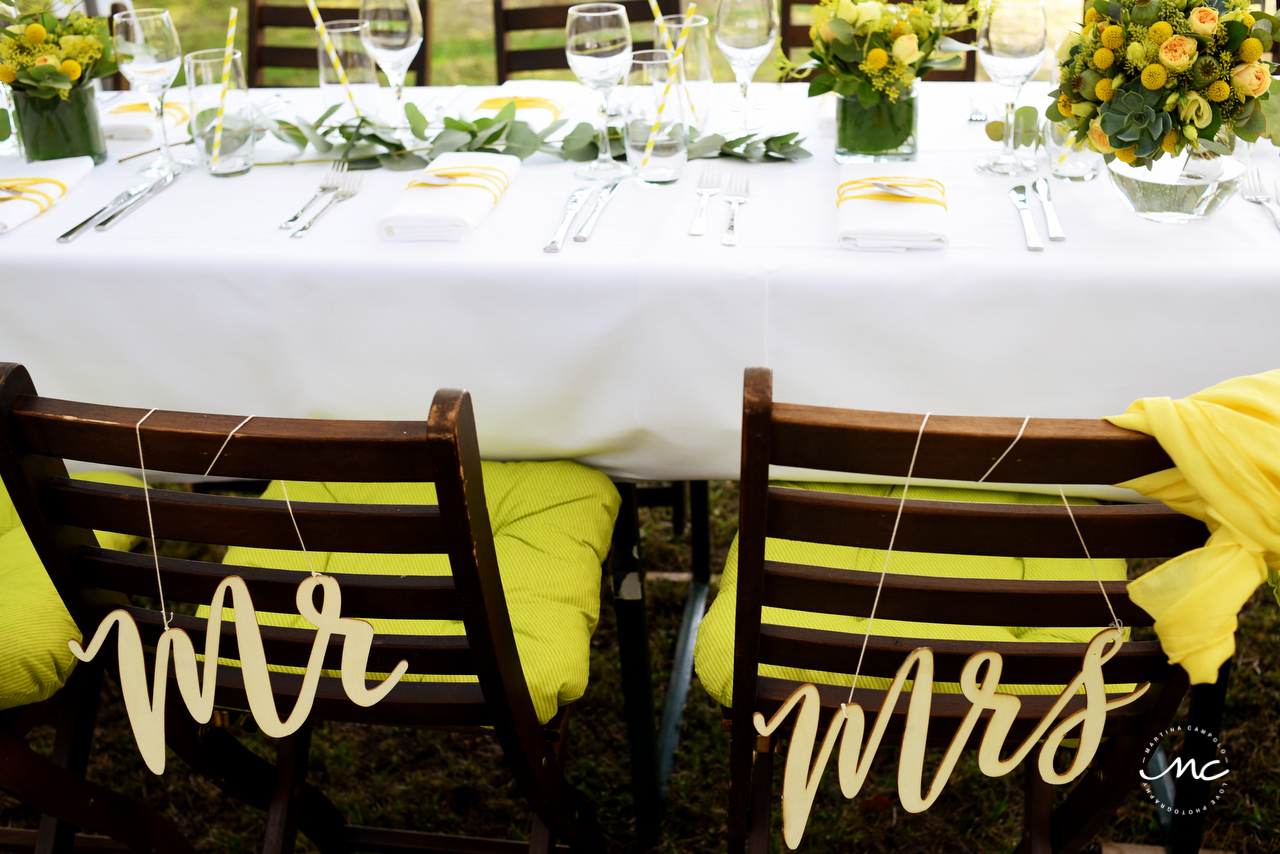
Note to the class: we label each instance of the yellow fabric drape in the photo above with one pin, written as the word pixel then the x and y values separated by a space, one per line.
pixel 1225 444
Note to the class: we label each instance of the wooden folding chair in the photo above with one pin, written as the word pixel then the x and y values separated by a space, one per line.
pixel 60 515
pixel 1050 451
pixel 532 18
pixel 262 55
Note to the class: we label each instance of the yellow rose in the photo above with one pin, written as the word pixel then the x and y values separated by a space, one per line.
pixel 1196 110
pixel 868 11
pixel 1203 20
pixel 1252 77
pixel 906 49
pixel 1177 53
pixel 1097 138
pixel 71 68
pixel 45 60
pixel 847 12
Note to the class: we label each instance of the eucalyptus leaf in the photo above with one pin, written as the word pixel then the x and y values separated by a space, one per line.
pixel 417 121
pixel 401 161
pixel 551 128
pixel 705 146
pixel 325 116
pixel 946 44
pixel 448 140
pixel 313 136
pixel 522 141
pixel 1214 146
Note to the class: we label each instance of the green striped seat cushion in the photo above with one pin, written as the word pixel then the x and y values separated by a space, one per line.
pixel 713 655
pixel 552 527
pixel 34 624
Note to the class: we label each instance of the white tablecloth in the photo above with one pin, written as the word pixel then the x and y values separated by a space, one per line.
pixel 627 352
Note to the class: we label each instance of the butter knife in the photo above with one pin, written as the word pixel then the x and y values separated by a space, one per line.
pixel 1041 188
pixel 601 200
pixel 136 202
pixel 1019 196
pixel 105 210
pixel 576 201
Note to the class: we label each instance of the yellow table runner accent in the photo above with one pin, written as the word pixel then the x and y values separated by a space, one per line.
pixel 1225 444
pixel 525 103
pixel 180 114
pixel 855 190
pixel 494 180
pixel 26 186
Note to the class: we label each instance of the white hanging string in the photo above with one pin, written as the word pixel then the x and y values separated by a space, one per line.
pixel 1115 621
pixel 225 442
pixel 893 535
pixel 1000 458
pixel 151 527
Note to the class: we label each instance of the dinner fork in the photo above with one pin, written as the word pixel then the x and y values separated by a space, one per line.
pixel 347 187
pixel 1255 191
pixel 330 182
pixel 735 195
pixel 708 186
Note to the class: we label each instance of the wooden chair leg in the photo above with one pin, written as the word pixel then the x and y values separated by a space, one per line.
pixel 540 839
pixel 761 791
pixel 1203 716
pixel 286 796
pixel 77 713
pixel 1037 812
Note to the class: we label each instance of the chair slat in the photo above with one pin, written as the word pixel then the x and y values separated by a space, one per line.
pixel 264 448
pixel 300 16
pixel 433 654
pixel 254 522
pixel 957 448
pixel 388 597
pixel 1024 663
pixel 964 601
pixel 278 56
pixel 554 17
pixel 1022 530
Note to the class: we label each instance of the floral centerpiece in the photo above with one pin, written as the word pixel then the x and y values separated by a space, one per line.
pixel 48 63
pixel 872 54
pixel 1149 78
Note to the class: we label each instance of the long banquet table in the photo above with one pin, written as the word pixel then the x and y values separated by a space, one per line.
pixel 626 352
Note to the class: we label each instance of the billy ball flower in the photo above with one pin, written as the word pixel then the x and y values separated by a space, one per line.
pixel 1219 90
pixel 8 74
pixel 877 58
pixel 1250 50
pixel 1159 32
pixel 1104 90
pixel 1090 17
pixel 1103 58
pixel 36 33
pixel 1154 76
pixel 1064 104
pixel 71 68
pixel 1170 142
pixel 1125 155
pixel 1113 37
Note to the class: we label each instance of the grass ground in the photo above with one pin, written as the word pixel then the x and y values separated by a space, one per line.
pixel 456 783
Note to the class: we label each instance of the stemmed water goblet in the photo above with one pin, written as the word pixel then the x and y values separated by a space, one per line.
pixel 1012 45
pixel 746 32
pixel 150 56
pixel 393 38
pixel 598 47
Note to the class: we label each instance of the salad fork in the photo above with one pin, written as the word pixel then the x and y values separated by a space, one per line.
pixel 348 187
pixel 330 182
pixel 735 195
pixel 708 186
pixel 1255 191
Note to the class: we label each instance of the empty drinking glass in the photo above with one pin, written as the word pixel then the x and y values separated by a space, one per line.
pixel 695 83
pixel 650 109
pixel 393 38
pixel 598 47
pixel 746 32
pixel 1012 46
pixel 1067 159
pixel 204 90
pixel 149 56
pixel 361 69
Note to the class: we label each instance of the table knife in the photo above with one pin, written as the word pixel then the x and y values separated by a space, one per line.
pixel 136 202
pixel 601 200
pixel 1041 188
pixel 106 210
pixel 576 201
pixel 1019 196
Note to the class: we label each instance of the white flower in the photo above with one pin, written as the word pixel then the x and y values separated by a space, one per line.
pixel 847 12
pixel 1064 49
pixel 869 11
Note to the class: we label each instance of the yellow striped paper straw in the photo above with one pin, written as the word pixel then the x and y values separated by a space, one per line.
pixel 673 65
pixel 666 44
pixel 226 84
pixel 333 54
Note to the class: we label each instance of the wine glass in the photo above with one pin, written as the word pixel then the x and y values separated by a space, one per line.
pixel 392 38
pixel 598 47
pixel 746 31
pixel 1012 45
pixel 149 56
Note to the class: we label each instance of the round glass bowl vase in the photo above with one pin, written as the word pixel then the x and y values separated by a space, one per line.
pixel 885 132
pixel 1183 188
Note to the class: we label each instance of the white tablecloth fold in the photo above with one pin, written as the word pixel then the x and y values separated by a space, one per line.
pixel 871 219
pixel 42 184
pixel 132 118
pixel 450 197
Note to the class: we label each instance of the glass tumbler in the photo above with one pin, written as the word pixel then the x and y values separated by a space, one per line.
pixel 651 109
pixel 695 85
pixel 357 62
pixel 11 144
pixel 1067 160
pixel 204 90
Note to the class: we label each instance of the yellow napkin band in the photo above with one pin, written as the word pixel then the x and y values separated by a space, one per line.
pixel 179 114
pixel 491 179
pixel 856 188
pixel 523 103
pixel 26 187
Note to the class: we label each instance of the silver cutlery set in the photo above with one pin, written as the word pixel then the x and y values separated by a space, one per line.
pixel 337 180
pixel 577 199
pixel 735 193
pixel 121 206
pixel 1019 197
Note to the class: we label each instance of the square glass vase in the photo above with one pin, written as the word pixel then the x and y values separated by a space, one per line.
pixel 53 128
pixel 883 133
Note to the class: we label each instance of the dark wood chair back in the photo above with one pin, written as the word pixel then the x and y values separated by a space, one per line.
pixel 37 434
pixel 1050 451
pixel 796 35
pixel 262 55
pixel 527 18
pixel 115 81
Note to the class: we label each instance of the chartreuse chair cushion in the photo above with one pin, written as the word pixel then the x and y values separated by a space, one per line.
pixel 34 624
pixel 552 527
pixel 713 654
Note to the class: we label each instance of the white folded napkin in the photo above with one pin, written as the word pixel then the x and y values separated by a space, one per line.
pixel 41 183
pixel 132 118
pixel 871 219
pixel 450 197
pixel 539 103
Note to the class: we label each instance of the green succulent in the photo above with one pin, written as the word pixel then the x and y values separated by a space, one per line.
pixel 1134 118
